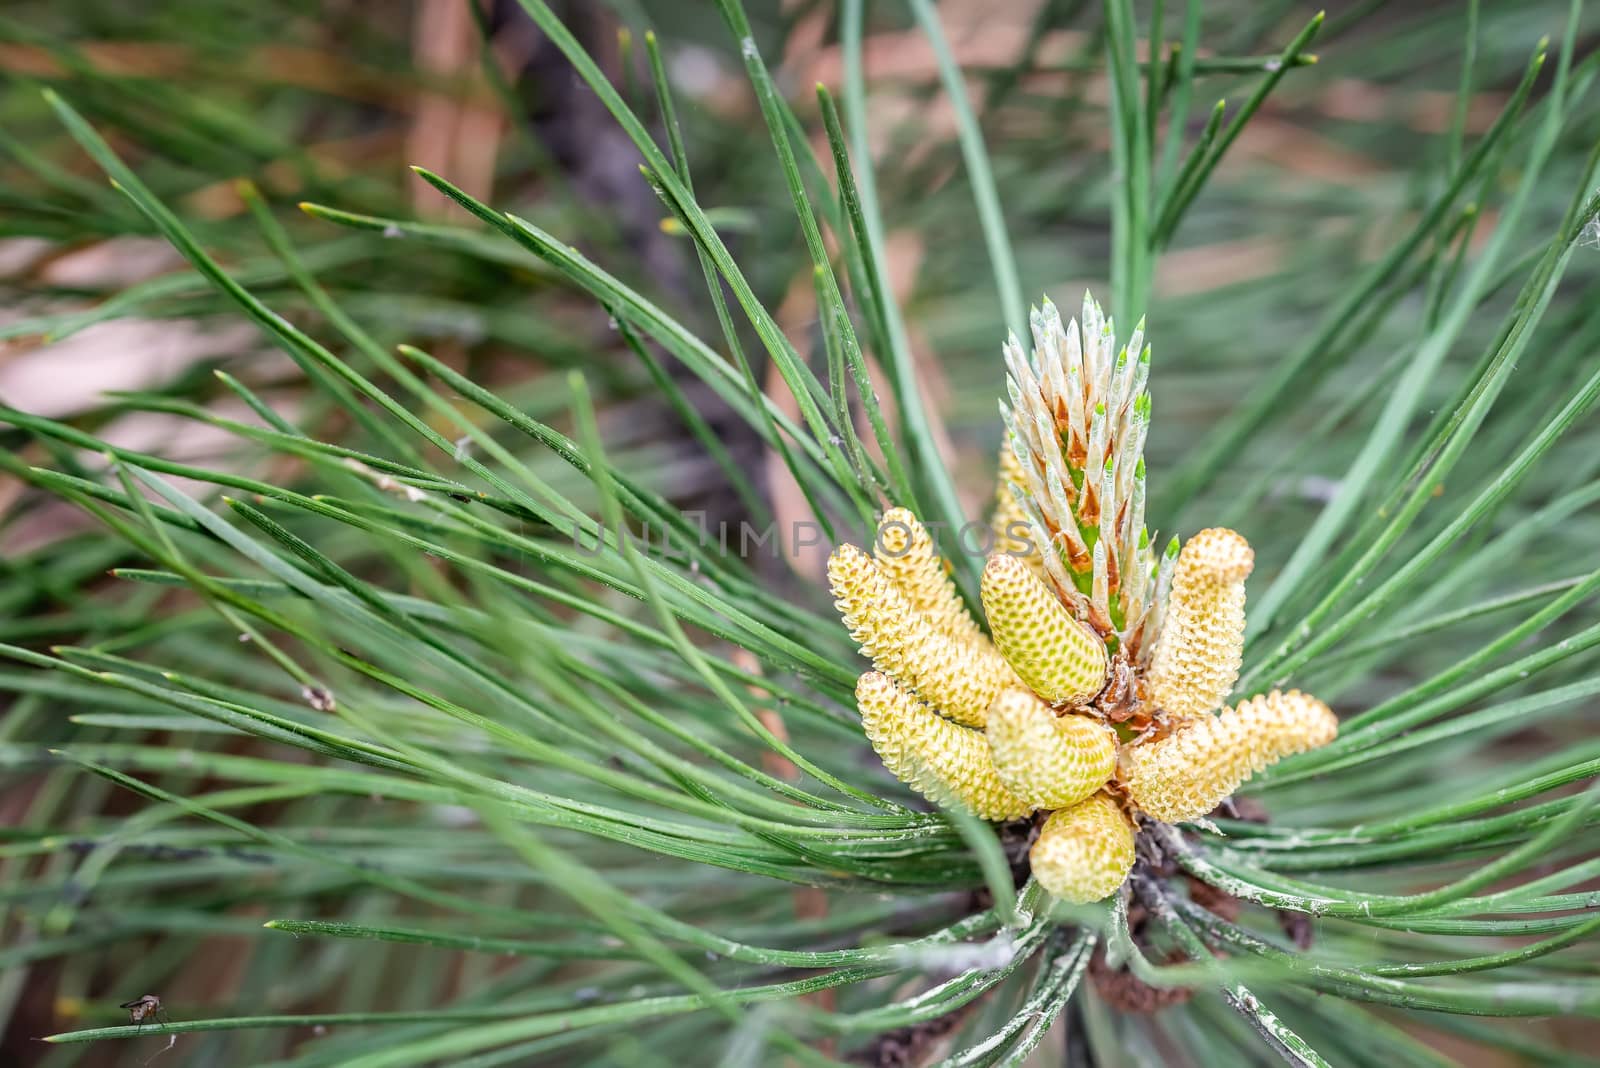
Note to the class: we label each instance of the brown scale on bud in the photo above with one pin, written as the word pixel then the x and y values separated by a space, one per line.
pixel 1126 992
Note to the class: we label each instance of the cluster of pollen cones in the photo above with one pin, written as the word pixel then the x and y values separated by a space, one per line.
pixel 1094 696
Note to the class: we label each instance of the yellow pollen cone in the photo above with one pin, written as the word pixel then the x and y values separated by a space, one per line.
pixel 941 760
pixel 1202 636
pixel 1059 658
pixel 1084 853
pixel 960 679
pixel 1012 530
pixel 905 551
pixel 1047 760
pixel 1188 773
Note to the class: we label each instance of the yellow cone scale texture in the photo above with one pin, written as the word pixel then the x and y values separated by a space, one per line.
pixel 1011 714
pixel 958 678
pixel 1202 636
pixel 943 761
pixel 1047 760
pixel 1188 773
pixel 1059 658
pixel 1010 521
pixel 1084 852
pixel 905 552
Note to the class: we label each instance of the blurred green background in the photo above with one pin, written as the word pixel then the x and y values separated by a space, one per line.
pixel 331 101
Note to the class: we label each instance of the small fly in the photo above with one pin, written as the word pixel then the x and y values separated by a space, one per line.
pixel 148 1007
pixel 142 1008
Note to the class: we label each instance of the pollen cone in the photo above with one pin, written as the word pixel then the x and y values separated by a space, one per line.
pixel 1188 773
pixel 1050 761
pixel 1202 634
pixel 1084 853
pixel 905 552
pixel 958 678
pixel 1012 529
pixel 1059 658
pixel 941 760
